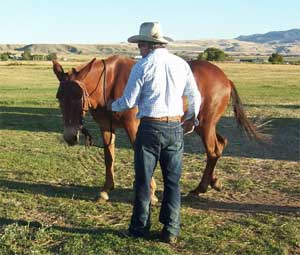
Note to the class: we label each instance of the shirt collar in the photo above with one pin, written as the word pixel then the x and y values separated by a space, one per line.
pixel 158 51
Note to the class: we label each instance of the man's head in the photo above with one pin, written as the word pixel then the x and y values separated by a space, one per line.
pixel 146 47
pixel 150 37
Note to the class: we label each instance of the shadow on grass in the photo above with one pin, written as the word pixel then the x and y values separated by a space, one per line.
pixel 72 230
pixel 285 133
pixel 50 190
pixel 121 233
pixel 236 207
pixel 31 119
pixel 284 106
pixel 76 192
pixel 122 195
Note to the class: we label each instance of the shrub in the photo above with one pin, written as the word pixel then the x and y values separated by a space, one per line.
pixel 276 58
pixel 213 54
pixel 26 55
pixel 51 56
pixel 4 56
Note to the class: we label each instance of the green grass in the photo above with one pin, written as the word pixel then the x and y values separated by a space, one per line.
pixel 278 83
pixel 47 189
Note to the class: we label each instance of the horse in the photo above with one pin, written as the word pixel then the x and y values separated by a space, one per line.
pixel 90 86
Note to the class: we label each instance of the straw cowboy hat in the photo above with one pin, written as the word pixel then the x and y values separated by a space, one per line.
pixel 149 32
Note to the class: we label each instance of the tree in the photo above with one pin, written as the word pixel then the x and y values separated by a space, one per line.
pixel 213 54
pixel 51 56
pixel 4 56
pixel 26 55
pixel 202 56
pixel 38 57
pixel 276 58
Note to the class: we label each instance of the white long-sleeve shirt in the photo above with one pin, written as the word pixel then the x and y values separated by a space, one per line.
pixel 156 85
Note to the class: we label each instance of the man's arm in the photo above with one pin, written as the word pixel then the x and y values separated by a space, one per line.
pixel 131 93
pixel 194 98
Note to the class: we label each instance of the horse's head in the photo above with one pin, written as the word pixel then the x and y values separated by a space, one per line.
pixel 73 99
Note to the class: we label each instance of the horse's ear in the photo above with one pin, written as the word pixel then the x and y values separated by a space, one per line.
pixel 83 72
pixel 58 70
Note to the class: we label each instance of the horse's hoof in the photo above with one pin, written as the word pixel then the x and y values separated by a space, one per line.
pixel 198 191
pixel 193 193
pixel 103 196
pixel 154 200
pixel 216 185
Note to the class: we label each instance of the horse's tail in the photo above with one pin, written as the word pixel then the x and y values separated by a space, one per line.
pixel 250 128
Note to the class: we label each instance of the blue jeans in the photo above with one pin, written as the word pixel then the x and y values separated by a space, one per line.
pixel 163 142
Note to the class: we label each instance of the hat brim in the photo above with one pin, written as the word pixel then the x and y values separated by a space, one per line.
pixel 138 38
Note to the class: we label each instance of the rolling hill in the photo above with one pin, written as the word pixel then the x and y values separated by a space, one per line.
pixel 289 36
pixel 283 42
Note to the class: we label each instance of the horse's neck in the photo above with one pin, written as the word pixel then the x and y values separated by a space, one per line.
pixel 112 82
pixel 97 84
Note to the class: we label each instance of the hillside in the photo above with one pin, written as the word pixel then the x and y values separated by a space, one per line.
pixel 289 36
pixel 236 47
pixel 284 42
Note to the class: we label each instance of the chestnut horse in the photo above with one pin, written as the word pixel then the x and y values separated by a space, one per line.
pixel 90 86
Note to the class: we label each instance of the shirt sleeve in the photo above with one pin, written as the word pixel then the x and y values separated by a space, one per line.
pixel 132 91
pixel 194 97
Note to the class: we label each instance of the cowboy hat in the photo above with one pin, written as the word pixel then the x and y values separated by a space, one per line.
pixel 149 32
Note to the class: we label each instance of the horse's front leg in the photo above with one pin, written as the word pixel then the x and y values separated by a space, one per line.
pixel 109 157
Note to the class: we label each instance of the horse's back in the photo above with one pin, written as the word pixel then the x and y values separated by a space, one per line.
pixel 214 87
pixel 209 76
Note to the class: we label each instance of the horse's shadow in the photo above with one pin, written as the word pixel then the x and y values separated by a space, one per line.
pixel 31 119
pixel 208 204
pixel 284 146
pixel 125 195
pixel 76 192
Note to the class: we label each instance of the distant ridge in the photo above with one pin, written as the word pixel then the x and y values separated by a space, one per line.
pixel 289 36
pixel 283 42
pixel 67 49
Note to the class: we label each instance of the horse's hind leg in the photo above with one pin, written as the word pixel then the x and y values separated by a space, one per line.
pixel 215 183
pixel 214 145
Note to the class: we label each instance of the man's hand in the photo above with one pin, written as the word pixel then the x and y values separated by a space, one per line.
pixel 188 126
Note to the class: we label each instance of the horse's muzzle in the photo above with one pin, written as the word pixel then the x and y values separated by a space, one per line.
pixel 71 135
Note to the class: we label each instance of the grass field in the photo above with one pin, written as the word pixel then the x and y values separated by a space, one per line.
pixel 47 188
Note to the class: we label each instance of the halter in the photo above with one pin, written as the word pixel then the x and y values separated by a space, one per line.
pixel 86 101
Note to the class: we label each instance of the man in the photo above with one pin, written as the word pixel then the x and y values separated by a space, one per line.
pixel 156 85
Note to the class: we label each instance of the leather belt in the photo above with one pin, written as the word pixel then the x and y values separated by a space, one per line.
pixel 163 119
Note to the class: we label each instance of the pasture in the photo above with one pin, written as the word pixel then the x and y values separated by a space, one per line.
pixel 47 189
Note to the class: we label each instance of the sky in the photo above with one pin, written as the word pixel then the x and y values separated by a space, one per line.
pixel 113 21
